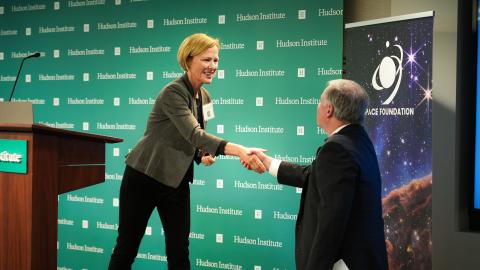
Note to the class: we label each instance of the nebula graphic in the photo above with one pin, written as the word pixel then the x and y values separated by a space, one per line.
pixel 406 211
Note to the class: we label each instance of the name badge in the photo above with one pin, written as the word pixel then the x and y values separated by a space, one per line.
pixel 208 112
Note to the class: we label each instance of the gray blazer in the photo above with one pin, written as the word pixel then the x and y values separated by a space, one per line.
pixel 168 145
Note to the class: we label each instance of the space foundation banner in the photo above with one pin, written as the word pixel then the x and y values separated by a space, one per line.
pixel 392 59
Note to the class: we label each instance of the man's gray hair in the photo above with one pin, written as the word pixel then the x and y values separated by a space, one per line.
pixel 349 99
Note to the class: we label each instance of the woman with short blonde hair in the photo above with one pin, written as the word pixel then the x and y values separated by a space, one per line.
pixel 194 45
pixel 159 168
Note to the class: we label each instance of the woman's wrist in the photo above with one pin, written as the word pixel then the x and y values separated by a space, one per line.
pixel 233 149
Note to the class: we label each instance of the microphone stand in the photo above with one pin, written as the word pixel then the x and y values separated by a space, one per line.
pixel 16 80
pixel 37 54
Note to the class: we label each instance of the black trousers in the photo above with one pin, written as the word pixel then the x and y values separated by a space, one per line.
pixel 139 195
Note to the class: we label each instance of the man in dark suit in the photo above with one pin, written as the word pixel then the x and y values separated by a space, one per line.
pixel 340 215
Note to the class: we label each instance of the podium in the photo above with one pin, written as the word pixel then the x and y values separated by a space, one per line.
pixel 58 161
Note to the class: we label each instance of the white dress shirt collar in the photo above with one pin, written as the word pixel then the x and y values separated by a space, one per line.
pixel 338 129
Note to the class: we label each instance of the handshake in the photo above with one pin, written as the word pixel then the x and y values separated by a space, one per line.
pixel 251 158
pixel 255 159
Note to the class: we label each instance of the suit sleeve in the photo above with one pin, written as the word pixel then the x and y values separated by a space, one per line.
pixel 292 174
pixel 334 183
pixel 174 103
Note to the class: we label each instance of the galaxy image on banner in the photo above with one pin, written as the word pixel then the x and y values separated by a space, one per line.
pixel 393 62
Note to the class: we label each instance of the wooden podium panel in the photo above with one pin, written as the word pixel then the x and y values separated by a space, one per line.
pixel 58 161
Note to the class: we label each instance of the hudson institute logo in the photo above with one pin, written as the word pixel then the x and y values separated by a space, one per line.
pixel 10 157
pixel 389 73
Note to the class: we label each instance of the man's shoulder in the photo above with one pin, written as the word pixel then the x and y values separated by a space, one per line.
pixel 355 141
pixel 344 140
pixel 348 135
pixel 334 147
pixel 347 140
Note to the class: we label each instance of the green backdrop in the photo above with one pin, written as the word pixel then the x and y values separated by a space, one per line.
pixel 104 62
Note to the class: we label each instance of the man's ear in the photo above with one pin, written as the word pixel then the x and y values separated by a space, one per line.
pixel 330 110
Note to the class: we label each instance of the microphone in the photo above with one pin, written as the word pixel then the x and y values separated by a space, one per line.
pixel 35 55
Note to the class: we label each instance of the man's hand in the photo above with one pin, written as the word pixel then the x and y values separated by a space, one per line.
pixel 260 154
pixel 251 161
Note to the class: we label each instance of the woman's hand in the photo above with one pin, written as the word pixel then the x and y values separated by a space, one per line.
pixel 260 153
pixel 251 161
pixel 247 157
pixel 208 160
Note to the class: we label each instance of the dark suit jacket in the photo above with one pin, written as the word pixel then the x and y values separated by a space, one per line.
pixel 166 150
pixel 340 215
